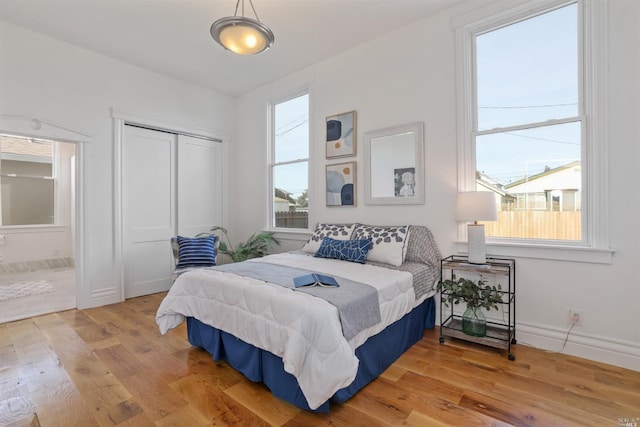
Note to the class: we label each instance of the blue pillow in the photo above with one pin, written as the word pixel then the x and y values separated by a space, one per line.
pixel 345 250
pixel 196 252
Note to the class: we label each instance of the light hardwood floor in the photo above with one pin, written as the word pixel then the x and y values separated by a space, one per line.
pixel 109 366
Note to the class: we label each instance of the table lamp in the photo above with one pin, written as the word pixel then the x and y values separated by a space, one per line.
pixel 476 206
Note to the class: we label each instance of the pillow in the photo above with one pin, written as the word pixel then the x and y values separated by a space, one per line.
pixel 196 252
pixel 422 247
pixel 389 243
pixel 174 249
pixel 345 250
pixel 335 231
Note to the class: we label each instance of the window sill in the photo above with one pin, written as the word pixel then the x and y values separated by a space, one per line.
pixel 542 251
pixel 9 229
pixel 297 234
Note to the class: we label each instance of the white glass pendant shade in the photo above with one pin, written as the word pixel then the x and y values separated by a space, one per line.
pixel 242 35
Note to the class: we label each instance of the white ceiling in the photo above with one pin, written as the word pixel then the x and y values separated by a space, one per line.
pixel 172 36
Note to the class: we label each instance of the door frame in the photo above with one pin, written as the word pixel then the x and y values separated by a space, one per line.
pixel 32 127
pixel 120 119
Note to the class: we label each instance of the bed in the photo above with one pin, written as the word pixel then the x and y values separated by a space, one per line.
pixel 305 347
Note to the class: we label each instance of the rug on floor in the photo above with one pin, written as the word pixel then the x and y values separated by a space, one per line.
pixel 26 289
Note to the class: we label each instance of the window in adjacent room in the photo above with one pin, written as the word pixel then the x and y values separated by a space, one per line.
pixel 27 181
pixel 290 163
pixel 529 132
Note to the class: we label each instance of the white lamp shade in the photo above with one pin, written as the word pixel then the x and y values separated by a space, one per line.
pixel 476 206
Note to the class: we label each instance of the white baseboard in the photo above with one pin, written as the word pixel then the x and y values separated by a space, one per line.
pixel 601 349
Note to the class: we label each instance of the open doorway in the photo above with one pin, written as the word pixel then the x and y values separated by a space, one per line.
pixel 37 226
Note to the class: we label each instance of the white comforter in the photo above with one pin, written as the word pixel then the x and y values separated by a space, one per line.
pixel 303 330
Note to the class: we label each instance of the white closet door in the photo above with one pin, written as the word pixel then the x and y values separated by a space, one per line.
pixel 199 185
pixel 149 213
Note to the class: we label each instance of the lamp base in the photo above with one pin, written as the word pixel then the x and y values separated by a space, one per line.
pixel 477 245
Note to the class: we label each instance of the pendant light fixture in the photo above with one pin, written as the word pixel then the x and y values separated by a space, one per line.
pixel 241 34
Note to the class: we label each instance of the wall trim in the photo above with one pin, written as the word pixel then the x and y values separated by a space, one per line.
pixel 33 127
pixel 592 347
pixel 40 264
pixel 101 297
pixel 169 126
pixel 544 251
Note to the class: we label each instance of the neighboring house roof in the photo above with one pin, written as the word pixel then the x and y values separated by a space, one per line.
pixel 26 147
pixel 565 177
pixel 285 192
pixel 486 182
pixel 282 205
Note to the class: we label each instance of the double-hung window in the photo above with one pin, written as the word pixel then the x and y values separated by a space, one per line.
pixel 289 165
pixel 27 181
pixel 529 121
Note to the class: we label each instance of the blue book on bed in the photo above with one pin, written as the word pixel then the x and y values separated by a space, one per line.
pixel 314 279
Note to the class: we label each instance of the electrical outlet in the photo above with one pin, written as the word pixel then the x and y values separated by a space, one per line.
pixel 575 316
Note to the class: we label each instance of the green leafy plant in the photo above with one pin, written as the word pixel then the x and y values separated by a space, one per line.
pixel 474 294
pixel 256 246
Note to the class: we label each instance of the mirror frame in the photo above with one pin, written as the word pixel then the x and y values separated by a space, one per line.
pixel 418 198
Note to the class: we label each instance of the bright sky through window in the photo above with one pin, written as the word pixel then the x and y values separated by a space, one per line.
pixel 290 164
pixel 292 143
pixel 529 123
pixel 527 74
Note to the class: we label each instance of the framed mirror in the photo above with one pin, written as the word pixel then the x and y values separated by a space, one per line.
pixel 394 169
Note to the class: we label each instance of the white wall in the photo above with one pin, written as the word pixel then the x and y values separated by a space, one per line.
pixel 409 75
pixel 50 80
pixel 23 244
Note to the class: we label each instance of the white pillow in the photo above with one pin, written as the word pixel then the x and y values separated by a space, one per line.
pixel 389 243
pixel 335 231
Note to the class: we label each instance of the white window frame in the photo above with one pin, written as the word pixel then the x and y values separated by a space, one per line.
pixel 593 18
pixel 272 163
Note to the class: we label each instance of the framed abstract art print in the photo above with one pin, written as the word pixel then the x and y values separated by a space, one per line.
pixel 341 135
pixel 341 184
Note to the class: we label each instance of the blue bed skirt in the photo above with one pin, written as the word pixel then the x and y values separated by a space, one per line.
pixel 375 355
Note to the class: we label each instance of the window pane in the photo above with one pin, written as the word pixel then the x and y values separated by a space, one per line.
pixel 538 174
pixel 292 129
pixel 290 202
pixel 25 197
pixel 26 201
pixel 527 72
pixel 290 169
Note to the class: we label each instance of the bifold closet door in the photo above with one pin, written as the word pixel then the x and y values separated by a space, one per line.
pixel 149 209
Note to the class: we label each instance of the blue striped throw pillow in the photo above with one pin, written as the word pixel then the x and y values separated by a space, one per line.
pixel 196 252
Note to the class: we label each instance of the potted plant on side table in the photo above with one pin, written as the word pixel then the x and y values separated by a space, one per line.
pixel 477 295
